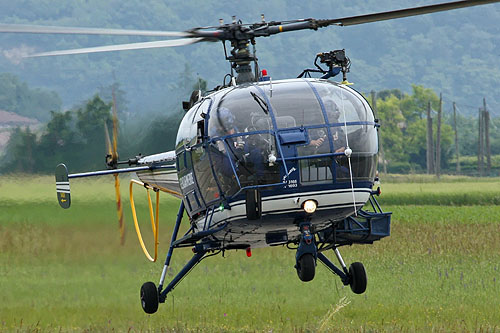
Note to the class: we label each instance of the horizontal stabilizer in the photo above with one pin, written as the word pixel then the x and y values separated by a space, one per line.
pixel 62 186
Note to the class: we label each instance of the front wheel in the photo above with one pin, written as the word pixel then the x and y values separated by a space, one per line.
pixel 149 297
pixel 306 267
pixel 357 276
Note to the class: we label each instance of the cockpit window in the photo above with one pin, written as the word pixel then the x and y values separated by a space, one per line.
pixel 237 112
pixel 240 127
pixel 294 106
pixel 350 118
pixel 342 105
pixel 243 123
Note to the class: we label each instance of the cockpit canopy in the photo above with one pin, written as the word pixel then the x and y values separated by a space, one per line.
pixel 256 133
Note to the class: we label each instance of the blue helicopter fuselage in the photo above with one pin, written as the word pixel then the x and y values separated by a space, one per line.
pixel 288 140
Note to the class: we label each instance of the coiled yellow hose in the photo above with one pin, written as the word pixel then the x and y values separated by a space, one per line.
pixel 154 219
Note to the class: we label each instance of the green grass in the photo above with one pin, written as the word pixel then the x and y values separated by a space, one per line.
pixel 65 270
pixel 450 191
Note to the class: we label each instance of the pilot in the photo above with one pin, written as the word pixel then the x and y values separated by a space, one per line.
pixel 228 147
pixel 318 136
pixel 225 125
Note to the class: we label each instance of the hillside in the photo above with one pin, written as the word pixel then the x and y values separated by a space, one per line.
pixel 455 52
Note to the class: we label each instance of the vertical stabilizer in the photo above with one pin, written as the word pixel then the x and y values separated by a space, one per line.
pixel 62 186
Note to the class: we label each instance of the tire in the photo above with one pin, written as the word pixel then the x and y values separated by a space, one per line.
pixel 149 297
pixel 357 275
pixel 306 267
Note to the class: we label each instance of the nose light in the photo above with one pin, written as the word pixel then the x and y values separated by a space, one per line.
pixel 310 206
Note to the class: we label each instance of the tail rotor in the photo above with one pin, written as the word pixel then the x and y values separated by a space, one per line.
pixel 112 163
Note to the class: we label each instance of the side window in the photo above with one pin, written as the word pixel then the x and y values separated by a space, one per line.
pixel 181 164
pixel 189 163
pixel 204 175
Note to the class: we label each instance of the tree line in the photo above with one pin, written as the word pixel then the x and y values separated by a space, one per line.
pixel 77 136
pixel 412 138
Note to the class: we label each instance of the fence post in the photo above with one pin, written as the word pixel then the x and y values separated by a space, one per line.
pixel 438 137
pixel 430 141
pixel 457 151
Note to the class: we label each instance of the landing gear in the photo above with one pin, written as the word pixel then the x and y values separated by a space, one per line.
pixel 357 278
pixel 306 267
pixel 149 297
pixel 305 259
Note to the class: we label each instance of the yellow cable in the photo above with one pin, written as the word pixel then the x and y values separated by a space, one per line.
pixel 154 221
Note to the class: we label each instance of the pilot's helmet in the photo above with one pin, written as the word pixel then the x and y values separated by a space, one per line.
pixel 332 110
pixel 225 120
pixel 225 116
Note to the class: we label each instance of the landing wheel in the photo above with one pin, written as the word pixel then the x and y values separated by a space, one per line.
pixel 357 275
pixel 149 297
pixel 306 267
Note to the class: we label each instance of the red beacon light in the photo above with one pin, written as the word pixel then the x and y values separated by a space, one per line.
pixel 264 76
pixel 249 252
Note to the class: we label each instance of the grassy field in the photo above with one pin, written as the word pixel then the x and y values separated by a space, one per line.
pixel 64 270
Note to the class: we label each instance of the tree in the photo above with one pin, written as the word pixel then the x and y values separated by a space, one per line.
pixel 403 129
pixel 20 152
pixel 90 121
pixel 17 97
pixel 392 123
pixel 106 94
pixel 58 141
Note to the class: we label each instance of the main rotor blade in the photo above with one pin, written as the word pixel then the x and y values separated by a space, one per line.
pixel 120 47
pixel 40 29
pixel 361 19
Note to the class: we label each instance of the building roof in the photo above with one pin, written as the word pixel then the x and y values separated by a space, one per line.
pixel 13 119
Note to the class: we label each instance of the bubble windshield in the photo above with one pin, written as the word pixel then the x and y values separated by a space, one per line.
pixel 322 118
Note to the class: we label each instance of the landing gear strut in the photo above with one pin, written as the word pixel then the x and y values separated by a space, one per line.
pixel 306 254
pixel 355 277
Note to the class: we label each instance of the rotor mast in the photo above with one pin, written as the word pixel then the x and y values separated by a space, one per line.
pixel 241 59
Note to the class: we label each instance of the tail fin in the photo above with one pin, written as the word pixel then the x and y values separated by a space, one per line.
pixel 62 186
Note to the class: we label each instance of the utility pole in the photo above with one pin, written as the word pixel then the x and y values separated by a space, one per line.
pixel 487 137
pixel 480 156
pixel 438 137
pixel 457 151
pixel 381 146
pixel 430 141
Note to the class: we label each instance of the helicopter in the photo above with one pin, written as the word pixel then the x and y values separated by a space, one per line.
pixel 259 162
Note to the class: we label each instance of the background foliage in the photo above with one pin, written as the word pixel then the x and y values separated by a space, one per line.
pixel 77 137
pixel 455 52
pixel 408 61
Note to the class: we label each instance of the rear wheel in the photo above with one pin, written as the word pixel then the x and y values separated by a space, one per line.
pixel 357 275
pixel 306 267
pixel 149 297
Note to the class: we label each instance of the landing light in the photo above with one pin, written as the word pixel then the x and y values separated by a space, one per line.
pixel 310 206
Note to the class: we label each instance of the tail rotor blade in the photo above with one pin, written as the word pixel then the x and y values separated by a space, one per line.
pixel 119 210
pixel 108 141
pixel 115 128
pixel 113 150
